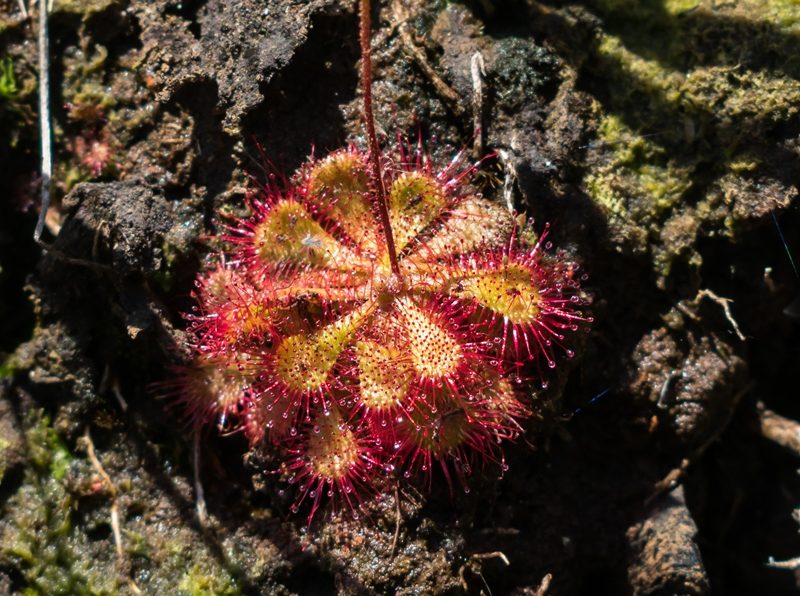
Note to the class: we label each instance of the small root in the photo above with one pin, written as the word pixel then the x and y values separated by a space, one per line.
pixel 492 555
pixel 473 564
pixel 725 303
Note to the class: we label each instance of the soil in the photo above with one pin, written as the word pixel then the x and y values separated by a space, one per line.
pixel 660 139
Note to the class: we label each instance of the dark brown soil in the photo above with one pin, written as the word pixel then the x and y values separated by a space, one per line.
pixel 659 138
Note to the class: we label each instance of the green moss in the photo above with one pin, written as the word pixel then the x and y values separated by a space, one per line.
pixel 637 179
pixel 688 99
pixel 16 116
pixel 85 87
pixel 37 535
pixel 7 368
pixel 8 82
pixel 46 450
pixel 197 582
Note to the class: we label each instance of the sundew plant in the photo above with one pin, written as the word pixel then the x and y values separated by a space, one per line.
pixel 374 316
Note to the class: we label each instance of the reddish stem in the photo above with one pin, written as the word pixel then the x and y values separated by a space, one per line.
pixel 374 154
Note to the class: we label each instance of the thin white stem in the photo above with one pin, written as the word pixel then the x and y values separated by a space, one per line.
pixel 478 71
pixel 45 131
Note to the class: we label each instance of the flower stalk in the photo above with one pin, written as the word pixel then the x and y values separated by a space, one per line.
pixel 369 118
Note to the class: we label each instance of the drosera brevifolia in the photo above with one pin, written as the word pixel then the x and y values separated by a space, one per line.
pixel 375 316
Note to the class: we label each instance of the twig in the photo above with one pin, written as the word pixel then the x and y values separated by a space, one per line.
pixel 92 455
pixel 673 476
pixel 545 585
pixel 725 303
pixel 791 564
pixel 496 554
pixel 45 131
pixel 22 8
pixel 478 71
pixel 442 88
pixel 473 564
pixel 200 495
pixel 776 428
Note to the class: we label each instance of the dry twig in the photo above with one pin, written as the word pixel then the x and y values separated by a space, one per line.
pixel 473 564
pixel 545 585
pixel 725 303
pixel 791 564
